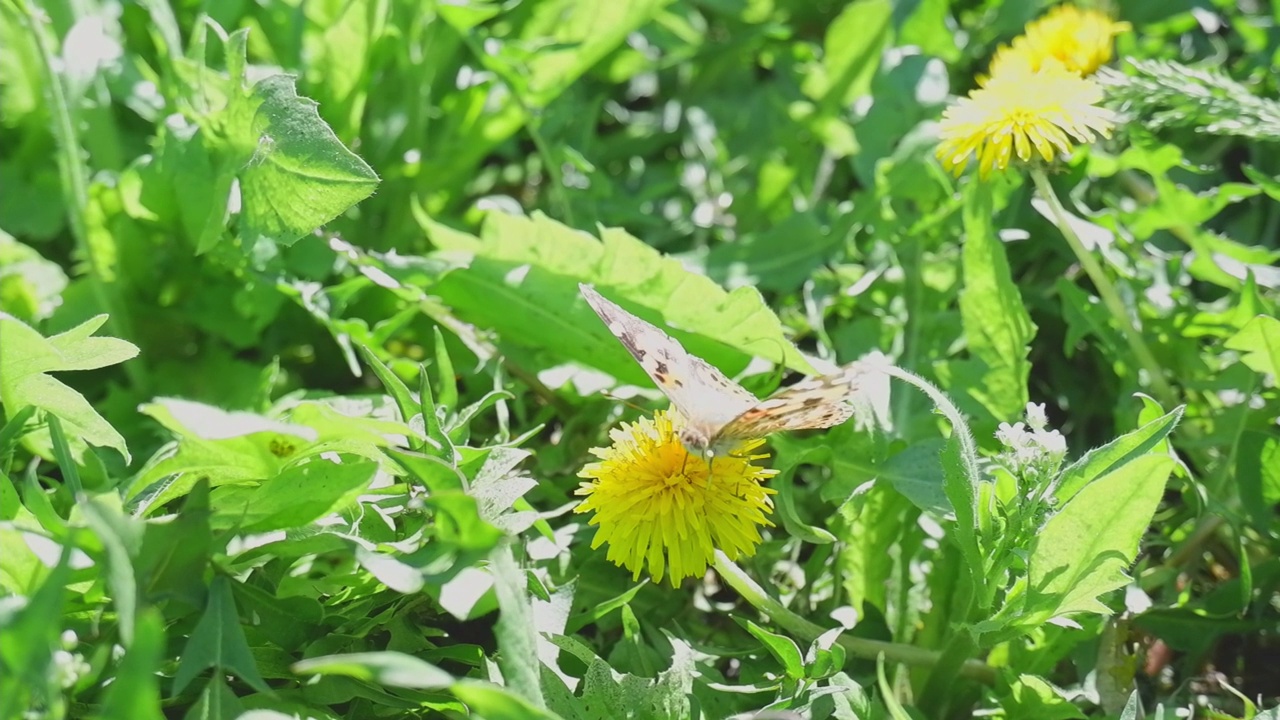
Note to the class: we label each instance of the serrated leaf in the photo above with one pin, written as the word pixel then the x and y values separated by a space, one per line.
pixel 1083 551
pixel 25 357
pixel 298 176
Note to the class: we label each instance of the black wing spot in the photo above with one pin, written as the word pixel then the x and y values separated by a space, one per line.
pixel 661 368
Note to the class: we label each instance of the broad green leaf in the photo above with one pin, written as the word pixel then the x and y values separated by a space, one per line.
pixel 135 691
pixel 26 357
pixel 175 554
pixel 781 647
pixel 1102 460
pixel 522 280
pixel 1260 342
pixel 296 497
pixel 1083 551
pixel 457 520
pixel 219 702
pixel 218 642
pixel 1031 696
pixel 916 473
pixel 224 447
pixel 298 175
pixel 996 324
pixel 1258 474
pixel 388 668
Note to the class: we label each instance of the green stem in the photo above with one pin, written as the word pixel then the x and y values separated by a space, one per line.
pixel 1107 290
pixel 75 190
pixel 950 665
pixel 968 457
pixel 737 579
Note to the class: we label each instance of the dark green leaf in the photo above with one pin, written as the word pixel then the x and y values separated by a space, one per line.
pixel 218 642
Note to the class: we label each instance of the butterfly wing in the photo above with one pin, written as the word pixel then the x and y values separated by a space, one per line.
pixel 818 402
pixel 701 393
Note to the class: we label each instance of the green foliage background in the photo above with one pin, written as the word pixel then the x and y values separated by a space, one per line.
pixel 296 380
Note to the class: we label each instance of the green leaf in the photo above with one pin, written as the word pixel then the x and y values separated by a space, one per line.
pixel 852 48
pixel 1033 697
pixel 1102 460
pixel 996 324
pixel 295 497
pixel 916 473
pixel 1082 552
pixel 493 702
pixel 1133 708
pixel 516 632
pixel 27 640
pixel 298 175
pixel 780 258
pixel 781 647
pixel 218 642
pixel 121 538
pixel 26 357
pixel 135 691
pixel 522 280
pixel 962 492
pixel 1258 475
pixel 1259 340
pixel 392 669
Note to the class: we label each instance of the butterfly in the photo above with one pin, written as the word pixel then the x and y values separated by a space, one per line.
pixel 718 412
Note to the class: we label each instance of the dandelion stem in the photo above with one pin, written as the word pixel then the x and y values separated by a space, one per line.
pixel 808 631
pixel 1107 290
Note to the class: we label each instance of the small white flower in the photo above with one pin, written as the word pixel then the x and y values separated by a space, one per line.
pixel 1013 436
pixel 1036 417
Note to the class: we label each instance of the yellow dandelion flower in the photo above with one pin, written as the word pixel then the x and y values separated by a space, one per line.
pixel 1019 113
pixel 656 503
pixel 1079 39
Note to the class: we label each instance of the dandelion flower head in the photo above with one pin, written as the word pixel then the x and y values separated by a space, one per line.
pixel 657 504
pixel 1022 113
pixel 1081 40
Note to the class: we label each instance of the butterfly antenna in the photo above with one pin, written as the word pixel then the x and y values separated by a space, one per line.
pixel 623 401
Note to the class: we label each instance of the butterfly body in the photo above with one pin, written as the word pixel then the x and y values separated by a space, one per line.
pixel 720 414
